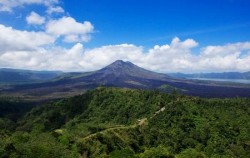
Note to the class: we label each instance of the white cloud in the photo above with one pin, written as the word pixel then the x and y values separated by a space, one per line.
pixel 173 57
pixel 56 9
pixel 176 56
pixel 8 5
pixel 70 29
pixel 11 39
pixel 227 57
pixel 99 57
pixel 35 19
pixel 55 58
pixel 36 50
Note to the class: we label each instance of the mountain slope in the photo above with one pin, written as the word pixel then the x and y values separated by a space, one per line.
pixel 122 74
pixel 127 69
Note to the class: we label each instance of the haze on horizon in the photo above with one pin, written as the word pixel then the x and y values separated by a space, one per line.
pixel 164 36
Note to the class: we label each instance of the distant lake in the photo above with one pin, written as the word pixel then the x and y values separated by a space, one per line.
pixel 224 80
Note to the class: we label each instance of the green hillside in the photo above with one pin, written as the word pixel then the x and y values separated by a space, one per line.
pixel 115 122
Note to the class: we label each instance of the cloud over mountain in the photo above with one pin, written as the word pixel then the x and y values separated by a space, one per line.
pixel 176 56
pixel 53 40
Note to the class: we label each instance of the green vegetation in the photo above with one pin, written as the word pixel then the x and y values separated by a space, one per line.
pixel 168 88
pixel 11 109
pixel 114 122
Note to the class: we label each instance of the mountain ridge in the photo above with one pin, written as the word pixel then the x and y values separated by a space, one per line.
pixel 213 75
pixel 25 76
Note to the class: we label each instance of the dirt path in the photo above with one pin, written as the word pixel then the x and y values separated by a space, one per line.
pixel 108 130
pixel 141 122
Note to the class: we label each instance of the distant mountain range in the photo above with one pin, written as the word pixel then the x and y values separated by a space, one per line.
pixel 223 75
pixel 26 76
pixel 119 74
pixel 29 76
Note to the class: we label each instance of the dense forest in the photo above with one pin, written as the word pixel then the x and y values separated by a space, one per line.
pixel 116 122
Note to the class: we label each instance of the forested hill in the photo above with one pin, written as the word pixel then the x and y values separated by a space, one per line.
pixel 115 122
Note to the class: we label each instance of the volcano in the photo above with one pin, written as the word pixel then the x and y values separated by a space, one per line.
pixel 126 75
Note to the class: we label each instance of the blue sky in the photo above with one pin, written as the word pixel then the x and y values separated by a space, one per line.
pixel 153 22
pixel 130 25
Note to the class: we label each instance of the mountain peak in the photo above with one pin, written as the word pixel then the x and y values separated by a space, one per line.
pixel 121 62
pixel 125 69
